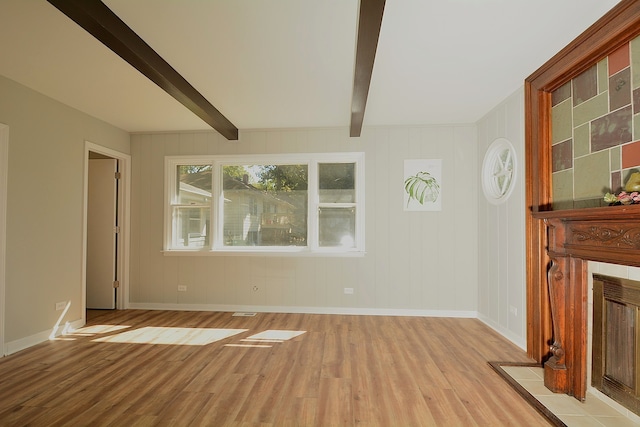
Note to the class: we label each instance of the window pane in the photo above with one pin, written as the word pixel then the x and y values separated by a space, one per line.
pixel 265 205
pixel 194 184
pixel 192 226
pixel 337 182
pixel 337 227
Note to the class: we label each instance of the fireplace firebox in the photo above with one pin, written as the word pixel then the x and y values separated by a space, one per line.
pixel 616 340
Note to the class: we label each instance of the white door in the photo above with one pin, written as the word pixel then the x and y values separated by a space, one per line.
pixel 101 233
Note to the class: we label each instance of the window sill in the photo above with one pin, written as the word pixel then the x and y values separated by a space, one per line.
pixel 270 252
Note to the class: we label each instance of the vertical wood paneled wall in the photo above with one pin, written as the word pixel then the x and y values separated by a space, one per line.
pixel 422 263
pixel 501 230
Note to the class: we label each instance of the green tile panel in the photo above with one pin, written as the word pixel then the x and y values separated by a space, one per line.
pixel 561 122
pixel 635 61
pixel 563 189
pixel 592 176
pixel 615 159
pixel 603 75
pixel 606 116
pixel 591 109
pixel 581 136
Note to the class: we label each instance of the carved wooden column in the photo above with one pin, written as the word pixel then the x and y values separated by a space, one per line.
pixel 555 368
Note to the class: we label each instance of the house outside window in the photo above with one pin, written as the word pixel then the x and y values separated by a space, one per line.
pixel 191 205
pixel 303 203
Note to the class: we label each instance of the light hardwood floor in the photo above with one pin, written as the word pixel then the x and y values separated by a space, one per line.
pixel 343 371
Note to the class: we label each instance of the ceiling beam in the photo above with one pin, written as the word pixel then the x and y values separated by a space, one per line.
pixel 97 19
pixel 369 24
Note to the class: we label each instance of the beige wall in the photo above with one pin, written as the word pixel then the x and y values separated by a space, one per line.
pixel 416 262
pixel 45 205
pixel 501 230
pixel 423 263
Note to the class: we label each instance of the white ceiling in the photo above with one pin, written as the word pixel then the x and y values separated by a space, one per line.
pixel 289 63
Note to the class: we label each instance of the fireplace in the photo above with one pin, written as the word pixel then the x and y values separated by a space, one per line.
pixel 615 368
pixel 556 313
pixel 574 237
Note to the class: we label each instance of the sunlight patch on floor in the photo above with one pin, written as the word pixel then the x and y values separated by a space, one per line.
pixel 249 345
pixel 171 336
pixel 88 331
pixel 261 339
pixel 271 335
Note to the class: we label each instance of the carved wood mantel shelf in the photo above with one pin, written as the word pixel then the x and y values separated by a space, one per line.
pixel 574 237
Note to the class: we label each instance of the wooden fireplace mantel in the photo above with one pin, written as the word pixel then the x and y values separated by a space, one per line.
pixel 608 234
pixel 570 236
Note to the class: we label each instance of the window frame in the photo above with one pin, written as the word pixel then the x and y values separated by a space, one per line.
pixel 216 233
pixel 171 203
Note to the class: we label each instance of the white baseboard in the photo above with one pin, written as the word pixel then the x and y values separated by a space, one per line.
pixel 23 343
pixel 516 339
pixel 305 310
pixel 26 342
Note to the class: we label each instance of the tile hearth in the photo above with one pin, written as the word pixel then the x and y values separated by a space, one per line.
pixel 593 412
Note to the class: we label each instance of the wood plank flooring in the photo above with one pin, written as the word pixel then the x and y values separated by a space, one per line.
pixel 343 371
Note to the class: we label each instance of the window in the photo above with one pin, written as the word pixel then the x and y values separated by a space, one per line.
pixel 191 205
pixel 499 171
pixel 286 203
pixel 337 204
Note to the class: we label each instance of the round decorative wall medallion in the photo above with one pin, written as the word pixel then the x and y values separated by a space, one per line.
pixel 499 171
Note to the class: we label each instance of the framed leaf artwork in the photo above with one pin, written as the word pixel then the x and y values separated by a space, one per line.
pixel 422 185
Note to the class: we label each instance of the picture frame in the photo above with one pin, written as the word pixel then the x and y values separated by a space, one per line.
pixel 422 185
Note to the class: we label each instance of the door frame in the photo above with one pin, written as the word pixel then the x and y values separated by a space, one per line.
pixel 124 210
pixel 4 181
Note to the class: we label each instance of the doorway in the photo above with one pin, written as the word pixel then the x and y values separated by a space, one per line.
pixel 106 221
pixel 102 232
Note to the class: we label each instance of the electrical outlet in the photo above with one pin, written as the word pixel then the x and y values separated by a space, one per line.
pixel 182 288
pixel 348 291
pixel 60 305
pixel 513 310
pixel 255 289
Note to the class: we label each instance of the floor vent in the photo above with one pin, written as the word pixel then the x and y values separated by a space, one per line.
pixel 243 314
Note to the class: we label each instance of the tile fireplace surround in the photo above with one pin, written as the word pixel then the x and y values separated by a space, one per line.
pixel 574 237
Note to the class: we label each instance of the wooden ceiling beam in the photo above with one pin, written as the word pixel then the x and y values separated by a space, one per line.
pixel 369 23
pixel 97 19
